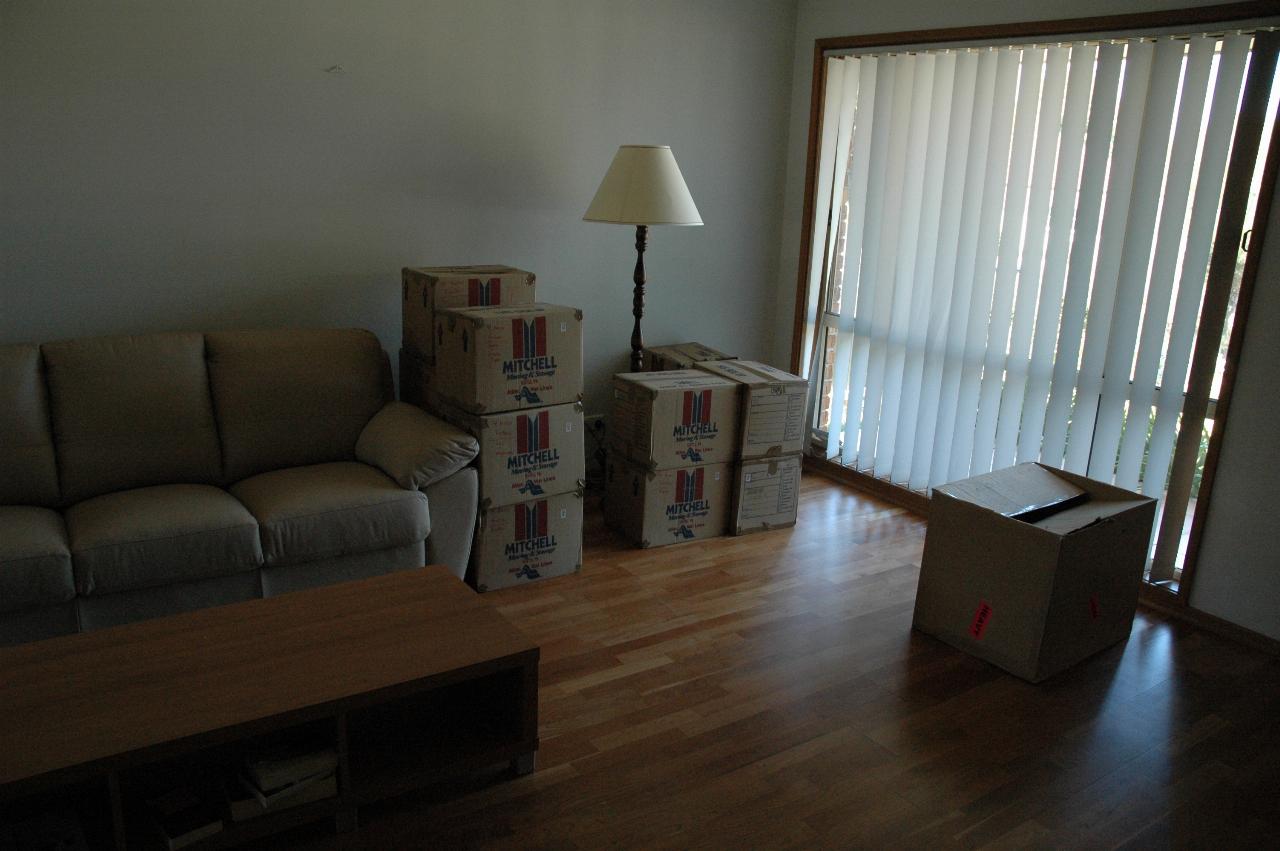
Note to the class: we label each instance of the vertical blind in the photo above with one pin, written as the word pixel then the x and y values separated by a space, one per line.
pixel 1011 252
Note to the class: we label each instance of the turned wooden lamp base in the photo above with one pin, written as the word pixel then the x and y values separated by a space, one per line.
pixel 637 300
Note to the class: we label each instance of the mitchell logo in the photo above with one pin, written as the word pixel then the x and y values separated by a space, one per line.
pixel 528 572
pixel 533 443
pixel 484 293
pixel 688 498
pixel 531 536
pixel 695 418
pixel 528 348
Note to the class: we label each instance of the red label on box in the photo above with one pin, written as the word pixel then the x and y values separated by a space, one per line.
pixel 1094 609
pixel 484 293
pixel 981 618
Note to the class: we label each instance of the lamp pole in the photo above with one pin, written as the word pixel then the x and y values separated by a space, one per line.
pixel 637 299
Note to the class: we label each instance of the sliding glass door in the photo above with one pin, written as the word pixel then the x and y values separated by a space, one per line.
pixel 1030 252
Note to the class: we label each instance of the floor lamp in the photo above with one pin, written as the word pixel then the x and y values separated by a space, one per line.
pixel 642 187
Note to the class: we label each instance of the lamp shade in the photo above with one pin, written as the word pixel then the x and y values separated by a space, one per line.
pixel 643 186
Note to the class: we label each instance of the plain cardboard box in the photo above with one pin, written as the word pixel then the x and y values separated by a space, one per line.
pixel 663 420
pixel 491 359
pixel 772 419
pixel 655 508
pixel 766 494
pixel 426 290
pixel 523 454
pixel 1032 568
pixel 680 356
pixel 522 543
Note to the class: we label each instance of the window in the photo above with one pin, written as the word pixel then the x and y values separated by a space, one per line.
pixel 1030 252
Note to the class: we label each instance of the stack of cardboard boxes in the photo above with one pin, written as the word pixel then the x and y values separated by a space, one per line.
pixel 766 491
pixel 480 353
pixel 696 451
pixel 672 444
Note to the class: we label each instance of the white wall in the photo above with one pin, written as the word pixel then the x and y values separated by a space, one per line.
pixel 1238 576
pixel 190 165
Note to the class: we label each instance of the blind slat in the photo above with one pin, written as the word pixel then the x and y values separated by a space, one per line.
pixel 944 269
pixel 927 297
pixel 1097 150
pixel 909 291
pixel 1195 262
pixel 1048 134
pixel 1017 184
pixel 953 346
pixel 1168 250
pixel 1058 244
pixel 984 263
pixel 888 296
pixel 870 264
pixel 1106 273
pixel 1135 256
pixel 834 80
pixel 854 187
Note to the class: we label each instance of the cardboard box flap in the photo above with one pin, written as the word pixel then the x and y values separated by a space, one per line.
pixel 1019 492
pixel 676 379
pixel 503 313
pixel 467 270
pixel 751 373
pixel 1077 517
pixel 698 351
pixel 737 370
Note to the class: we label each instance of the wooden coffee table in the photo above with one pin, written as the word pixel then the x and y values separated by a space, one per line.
pixel 414 676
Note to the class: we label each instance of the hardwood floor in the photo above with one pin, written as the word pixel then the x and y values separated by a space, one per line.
pixel 768 692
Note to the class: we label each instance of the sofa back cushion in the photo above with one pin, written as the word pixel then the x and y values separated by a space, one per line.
pixel 28 472
pixel 130 412
pixel 286 398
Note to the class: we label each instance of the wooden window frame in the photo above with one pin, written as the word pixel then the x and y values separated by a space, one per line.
pixel 1202 16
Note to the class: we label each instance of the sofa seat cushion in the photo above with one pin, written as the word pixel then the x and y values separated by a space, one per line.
pixel 160 535
pixel 329 510
pixel 35 559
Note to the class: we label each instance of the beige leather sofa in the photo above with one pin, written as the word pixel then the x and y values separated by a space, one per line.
pixel 153 474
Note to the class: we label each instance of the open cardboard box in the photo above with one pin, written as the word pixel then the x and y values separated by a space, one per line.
pixel 1032 568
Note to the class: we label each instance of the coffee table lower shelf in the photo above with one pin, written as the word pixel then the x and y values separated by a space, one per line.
pixel 385 749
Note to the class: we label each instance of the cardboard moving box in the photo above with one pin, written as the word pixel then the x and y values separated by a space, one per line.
pixel 772 418
pixel 766 494
pixel 1032 568
pixel 491 359
pixel 680 356
pixel 521 543
pixel 662 420
pixel 667 506
pixel 429 289
pixel 523 454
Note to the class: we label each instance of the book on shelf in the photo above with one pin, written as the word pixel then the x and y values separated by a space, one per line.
pixel 182 817
pixel 284 766
pixel 247 801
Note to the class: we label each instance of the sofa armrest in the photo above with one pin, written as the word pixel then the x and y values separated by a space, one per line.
pixel 413 447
